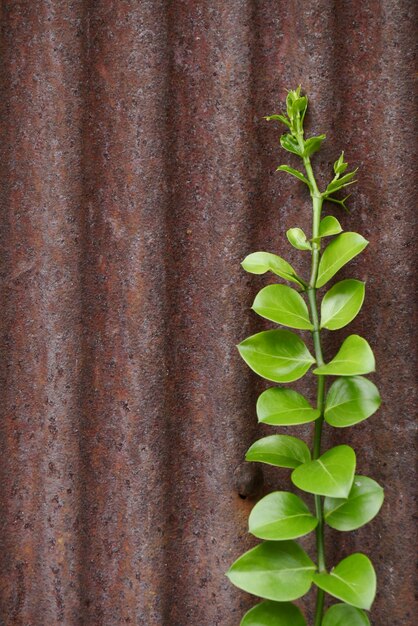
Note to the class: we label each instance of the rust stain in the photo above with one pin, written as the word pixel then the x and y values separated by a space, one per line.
pixel 137 172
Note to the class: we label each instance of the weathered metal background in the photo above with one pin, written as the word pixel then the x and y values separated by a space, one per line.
pixel 136 173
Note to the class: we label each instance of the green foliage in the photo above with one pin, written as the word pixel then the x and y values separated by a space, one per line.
pixel 351 400
pixel 262 262
pixel 341 303
pixel 329 226
pixel 278 355
pixel 353 581
pixel 283 305
pixel 353 358
pixel 312 145
pixel 274 570
pixel 279 516
pixel 279 406
pixel 362 504
pixel 298 239
pixel 339 183
pixel 293 172
pixel 332 474
pixel 339 252
pixel 278 569
pixel 340 166
pixel 290 143
pixel 279 450
pixel 344 615
pixel 270 613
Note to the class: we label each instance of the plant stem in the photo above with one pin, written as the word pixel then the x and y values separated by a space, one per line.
pixel 320 548
pixel 317 201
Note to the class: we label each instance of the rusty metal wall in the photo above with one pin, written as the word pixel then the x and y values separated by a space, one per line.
pixel 136 173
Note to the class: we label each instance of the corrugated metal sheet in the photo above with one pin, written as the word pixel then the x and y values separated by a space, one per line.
pixel 137 171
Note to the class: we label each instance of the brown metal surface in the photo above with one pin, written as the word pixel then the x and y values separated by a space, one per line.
pixel 136 173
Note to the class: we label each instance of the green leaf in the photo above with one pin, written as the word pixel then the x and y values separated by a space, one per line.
pixel 290 143
pixel 339 183
pixel 262 262
pixel 279 516
pixel 295 103
pixel 339 252
pixel 279 571
pixel 279 406
pixel 298 239
pixel 353 581
pixel 312 145
pixel 283 305
pixel 340 166
pixel 299 106
pixel 290 99
pixel 341 202
pixel 351 400
pixel 330 475
pixel 271 613
pixel 278 355
pixel 342 615
pixel 293 172
pixel 341 303
pixel 362 505
pixel 328 226
pixel 279 118
pixel 279 450
pixel 354 357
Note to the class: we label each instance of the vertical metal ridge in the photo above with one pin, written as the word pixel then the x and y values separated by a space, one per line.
pixel 210 124
pixel 40 311
pixel 123 440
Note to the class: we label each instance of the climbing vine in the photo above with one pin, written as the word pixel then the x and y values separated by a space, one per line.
pixel 278 569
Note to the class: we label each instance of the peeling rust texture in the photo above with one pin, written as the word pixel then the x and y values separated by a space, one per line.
pixel 136 172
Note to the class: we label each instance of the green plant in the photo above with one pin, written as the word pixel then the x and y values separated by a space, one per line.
pixel 278 569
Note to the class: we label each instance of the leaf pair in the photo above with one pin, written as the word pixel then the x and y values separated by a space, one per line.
pixel 328 226
pixel 281 356
pixel 282 515
pixel 282 571
pixel 350 400
pixel 301 148
pixel 269 613
pixel 339 252
pixel 284 305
